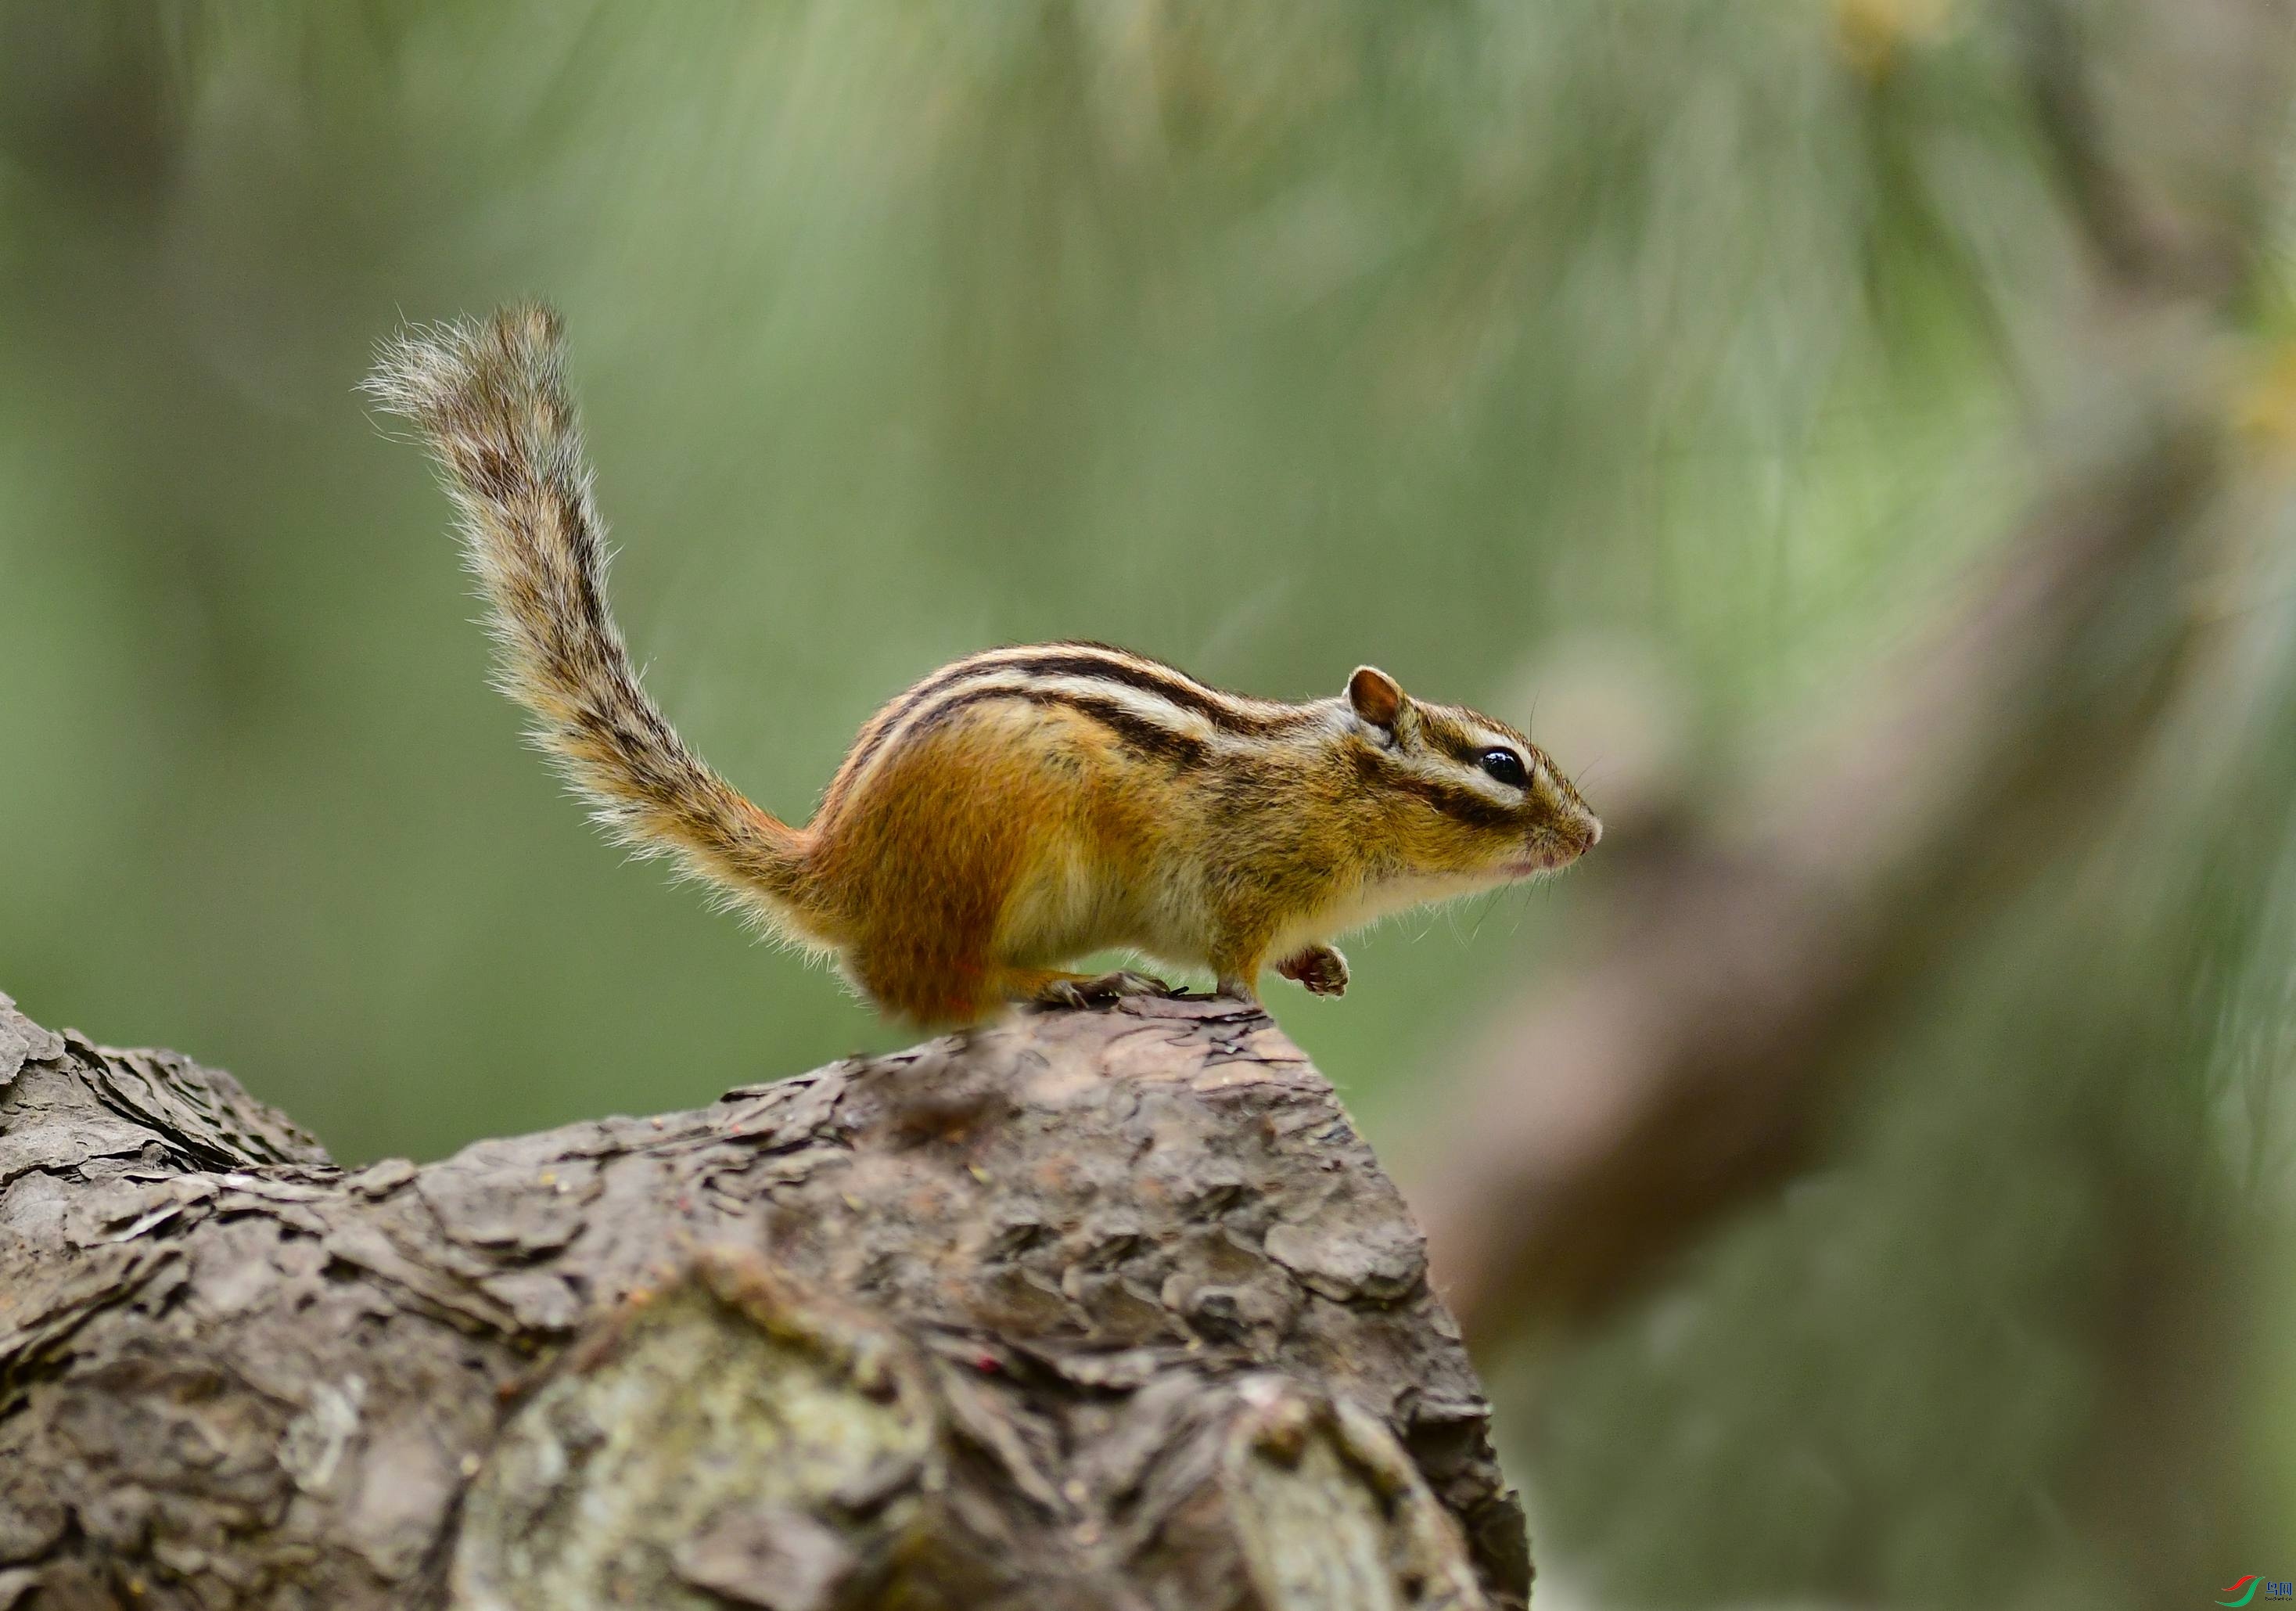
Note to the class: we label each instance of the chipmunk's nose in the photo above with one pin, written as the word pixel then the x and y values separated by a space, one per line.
pixel 1593 832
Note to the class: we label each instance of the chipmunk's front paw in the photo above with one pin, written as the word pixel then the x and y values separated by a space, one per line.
pixel 1320 968
pixel 1100 988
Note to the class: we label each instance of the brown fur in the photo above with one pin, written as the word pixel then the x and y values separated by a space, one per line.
pixel 1008 813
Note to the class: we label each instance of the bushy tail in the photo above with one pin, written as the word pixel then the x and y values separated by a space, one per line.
pixel 491 396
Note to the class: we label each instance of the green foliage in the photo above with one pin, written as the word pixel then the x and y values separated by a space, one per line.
pixel 1267 343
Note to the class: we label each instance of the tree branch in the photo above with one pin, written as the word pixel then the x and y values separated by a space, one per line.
pixel 1085 1309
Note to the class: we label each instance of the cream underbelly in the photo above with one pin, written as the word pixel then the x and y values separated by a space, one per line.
pixel 1065 907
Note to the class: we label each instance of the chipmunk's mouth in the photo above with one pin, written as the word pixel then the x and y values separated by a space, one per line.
pixel 1547 858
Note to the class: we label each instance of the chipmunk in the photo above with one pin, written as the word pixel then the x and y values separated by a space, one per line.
pixel 1013 811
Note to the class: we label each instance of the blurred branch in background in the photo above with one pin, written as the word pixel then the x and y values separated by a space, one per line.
pixel 2103 711
pixel 1634 1099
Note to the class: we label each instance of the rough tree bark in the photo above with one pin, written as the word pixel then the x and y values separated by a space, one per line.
pixel 1089 1309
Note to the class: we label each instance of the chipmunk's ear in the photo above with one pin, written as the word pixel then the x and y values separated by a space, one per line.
pixel 1377 697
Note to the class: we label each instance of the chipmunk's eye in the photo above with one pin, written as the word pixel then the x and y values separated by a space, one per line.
pixel 1505 766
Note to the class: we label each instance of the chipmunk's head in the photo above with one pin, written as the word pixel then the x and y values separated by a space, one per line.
pixel 1474 803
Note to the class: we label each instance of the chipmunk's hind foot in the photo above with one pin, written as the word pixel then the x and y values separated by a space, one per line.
pixel 1093 990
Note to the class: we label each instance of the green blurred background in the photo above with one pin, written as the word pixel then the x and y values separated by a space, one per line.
pixel 1269 342
pixel 1636 371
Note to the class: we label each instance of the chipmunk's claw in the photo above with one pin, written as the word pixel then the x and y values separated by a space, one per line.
pixel 1320 968
pixel 1102 989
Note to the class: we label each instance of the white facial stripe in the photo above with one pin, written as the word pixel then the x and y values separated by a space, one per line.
pixel 1441 767
pixel 1485 784
pixel 1485 738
